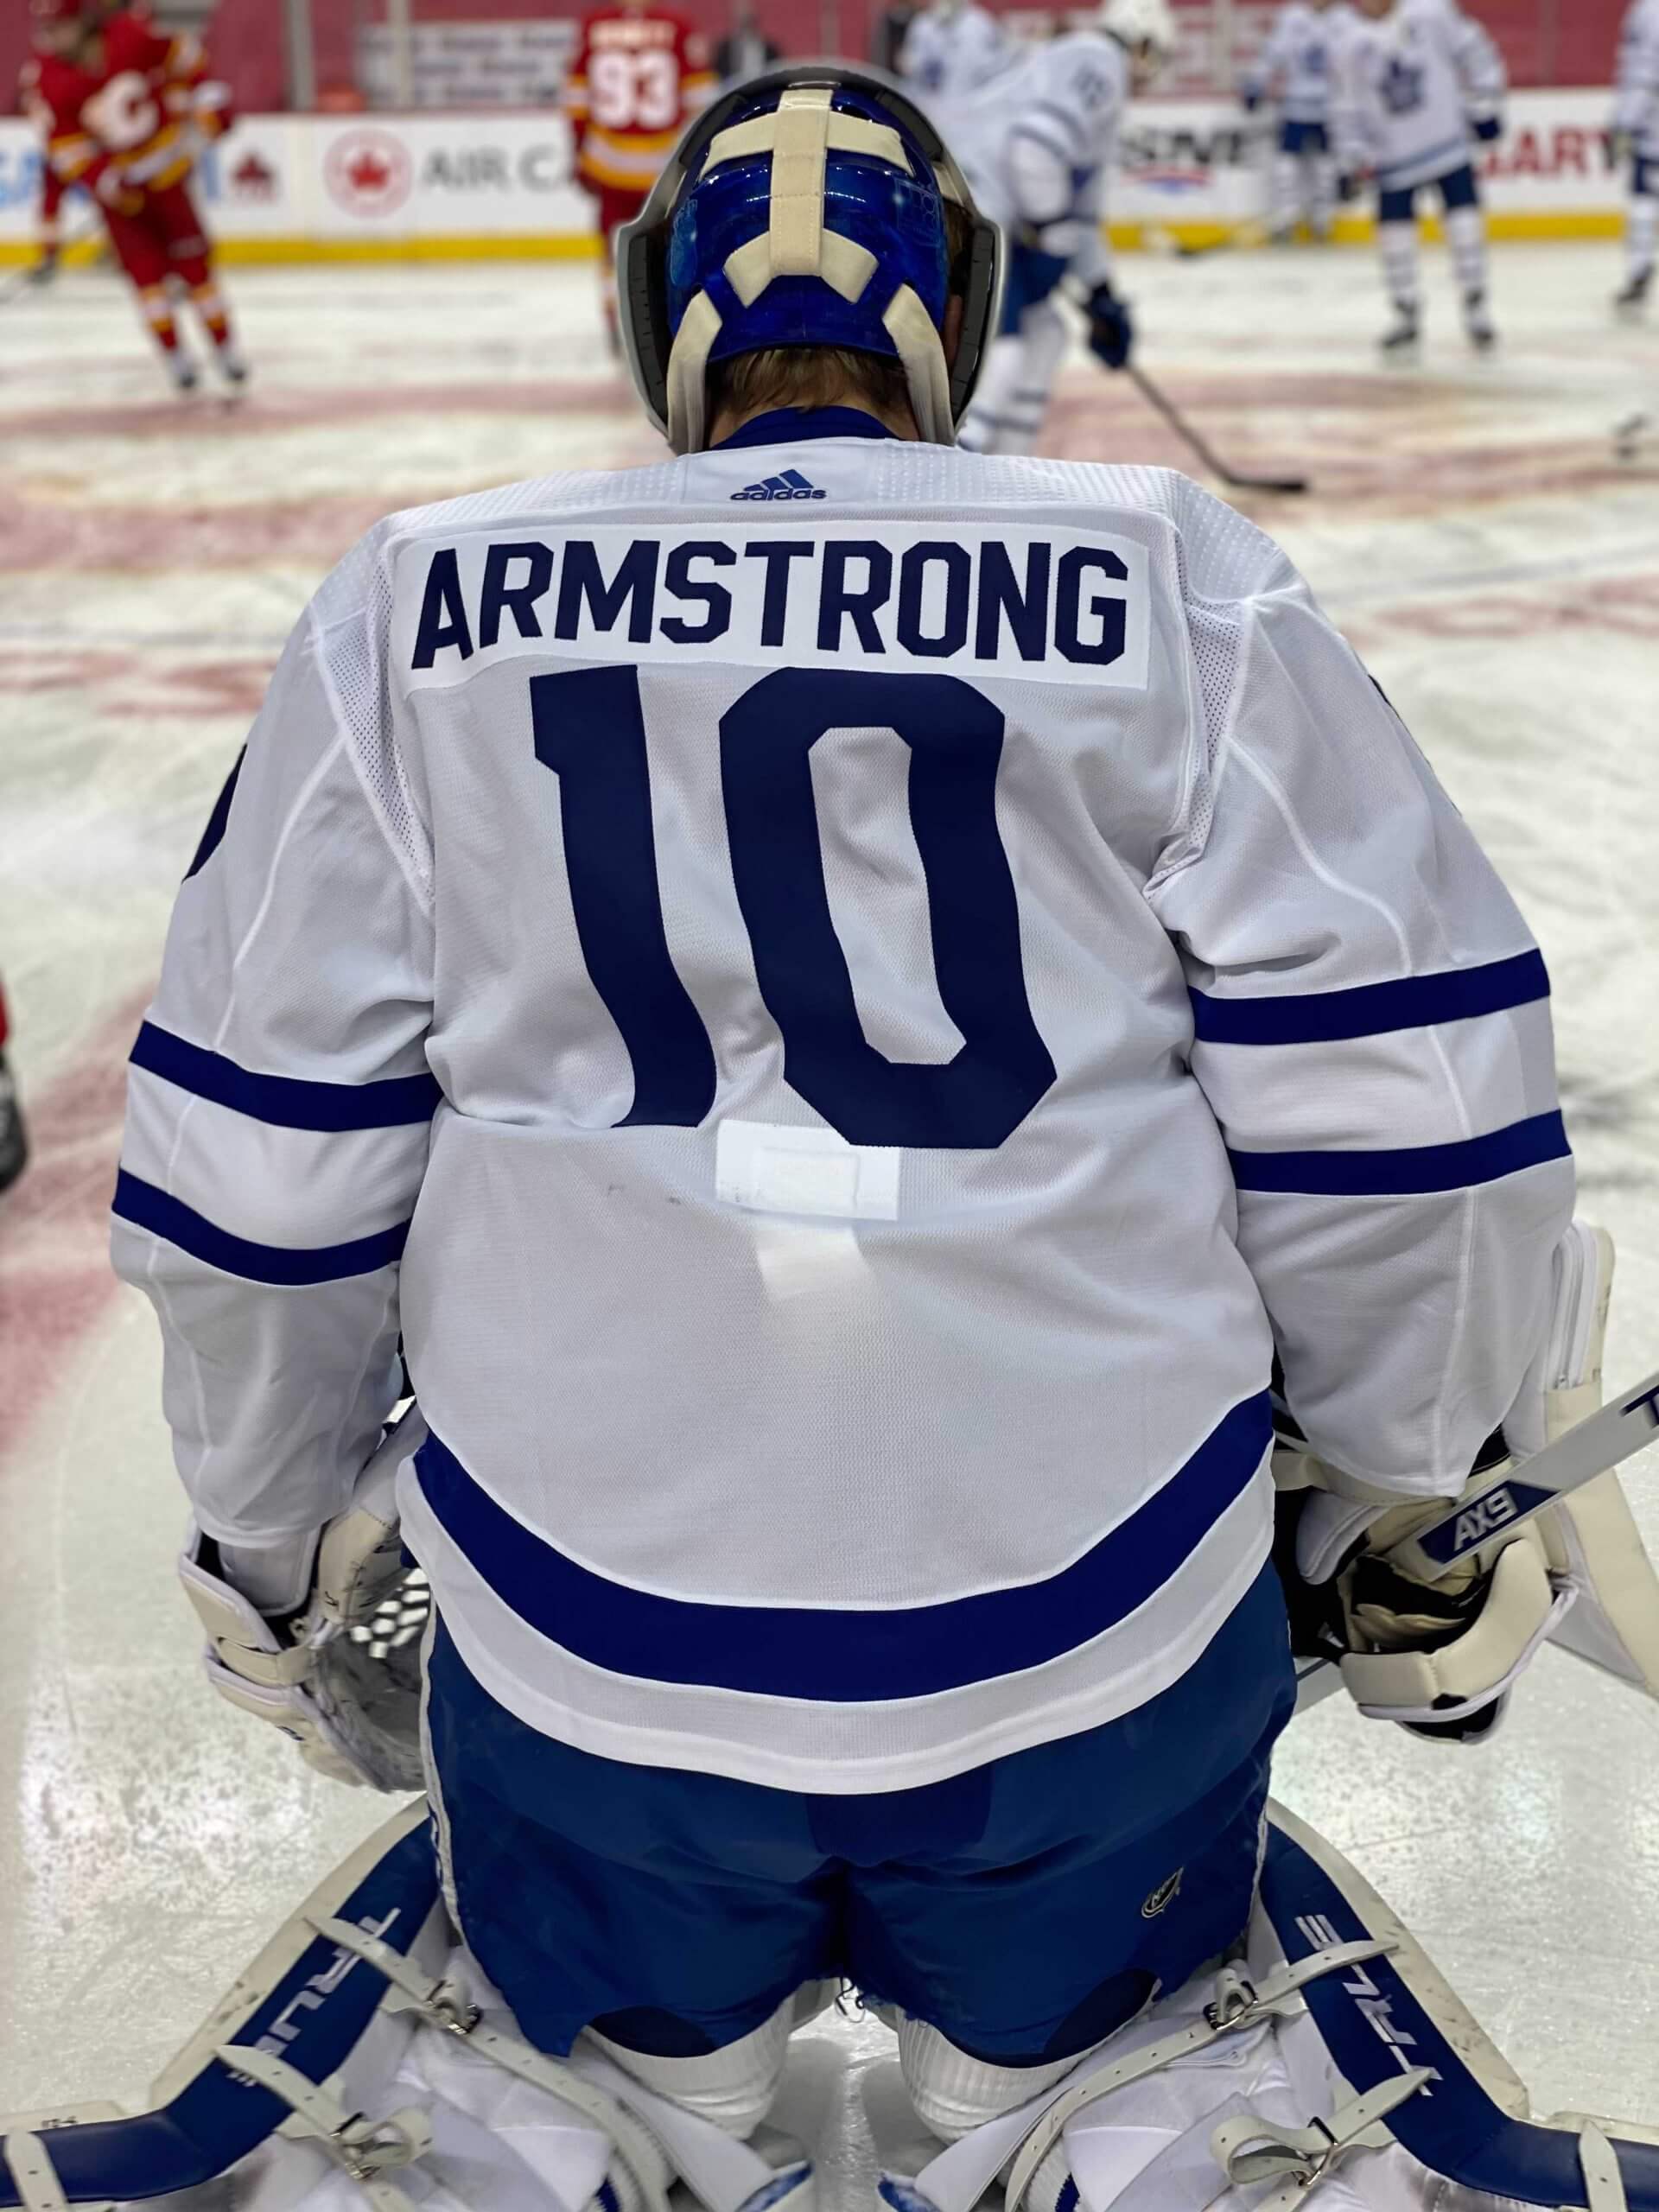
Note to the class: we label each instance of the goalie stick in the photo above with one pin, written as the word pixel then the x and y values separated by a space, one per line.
pixel 1235 481
pixel 1514 1495
pixel 1589 1448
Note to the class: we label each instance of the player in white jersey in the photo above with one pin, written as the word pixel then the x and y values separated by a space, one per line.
pixel 950 51
pixel 1295 64
pixel 1038 148
pixel 1636 130
pixel 841 1039
pixel 1421 85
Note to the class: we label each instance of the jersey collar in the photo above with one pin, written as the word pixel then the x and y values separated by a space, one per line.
pixel 788 425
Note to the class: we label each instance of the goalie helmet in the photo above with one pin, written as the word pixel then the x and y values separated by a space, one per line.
pixel 806 208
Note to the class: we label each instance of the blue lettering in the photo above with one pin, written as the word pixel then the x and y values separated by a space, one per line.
pixel 443 614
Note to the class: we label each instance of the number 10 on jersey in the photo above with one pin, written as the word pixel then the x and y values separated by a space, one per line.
pixel 589 730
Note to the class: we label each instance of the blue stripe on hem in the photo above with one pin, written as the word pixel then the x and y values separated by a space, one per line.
pixel 1372 1009
pixel 286 1102
pixel 837 1656
pixel 146 1207
pixel 1412 1171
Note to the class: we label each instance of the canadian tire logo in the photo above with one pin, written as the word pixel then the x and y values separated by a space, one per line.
pixel 369 172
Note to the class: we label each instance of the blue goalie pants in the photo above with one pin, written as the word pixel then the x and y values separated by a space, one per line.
pixel 1026 1908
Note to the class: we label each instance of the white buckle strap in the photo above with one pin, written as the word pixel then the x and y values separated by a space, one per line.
pixel 1250 2150
pixel 35 2177
pixel 364 2148
pixel 440 2004
pixel 1604 2185
pixel 1238 2004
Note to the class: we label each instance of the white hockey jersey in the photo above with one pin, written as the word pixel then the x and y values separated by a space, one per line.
pixel 842 1037
pixel 1636 106
pixel 949 52
pixel 1409 88
pixel 1039 145
pixel 1296 61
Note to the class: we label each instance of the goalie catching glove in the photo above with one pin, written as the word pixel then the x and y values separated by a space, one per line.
pixel 1440 1657
pixel 341 1677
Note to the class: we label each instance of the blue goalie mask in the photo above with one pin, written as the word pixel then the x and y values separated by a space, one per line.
pixel 808 208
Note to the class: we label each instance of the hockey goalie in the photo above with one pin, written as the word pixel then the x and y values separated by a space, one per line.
pixel 834 1053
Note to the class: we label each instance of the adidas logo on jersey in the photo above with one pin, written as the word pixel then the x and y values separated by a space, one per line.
pixel 792 485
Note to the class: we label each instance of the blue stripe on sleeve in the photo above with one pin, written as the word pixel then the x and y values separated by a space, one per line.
pixel 146 1207
pixel 847 1657
pixel 286 1102
pixel 1412 1171
pixel 1372 1009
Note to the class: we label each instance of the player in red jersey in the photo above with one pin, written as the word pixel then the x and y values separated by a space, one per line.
pixel 640 74
pixel 129 110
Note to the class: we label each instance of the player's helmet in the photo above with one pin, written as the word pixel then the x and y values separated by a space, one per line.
pixel 1140 24
pixel 807 207
pixel 52 15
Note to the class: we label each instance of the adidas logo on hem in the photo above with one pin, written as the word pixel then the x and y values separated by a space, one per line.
pixel 792 485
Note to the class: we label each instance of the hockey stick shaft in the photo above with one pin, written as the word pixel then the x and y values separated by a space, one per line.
pixel 1156 397
pixel 22 281
pixel 1589 1448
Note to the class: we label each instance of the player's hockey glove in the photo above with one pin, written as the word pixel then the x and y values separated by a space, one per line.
pixel 341 1676
pixel 114 192
pixel 1111 326
pixel 1441 1657
pixel 1487 127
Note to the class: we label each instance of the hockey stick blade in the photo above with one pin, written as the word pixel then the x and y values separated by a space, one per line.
pixel 1589 1448
pixel 1235 479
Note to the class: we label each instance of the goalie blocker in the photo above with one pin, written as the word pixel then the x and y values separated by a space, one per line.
pixel 362 2051
pixel 1431 1614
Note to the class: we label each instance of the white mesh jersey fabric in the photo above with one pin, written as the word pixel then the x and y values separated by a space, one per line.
pixel 1636 106
pixel 802 1420
pixel 1066 97
pixel 1408 85
pixel 1297 59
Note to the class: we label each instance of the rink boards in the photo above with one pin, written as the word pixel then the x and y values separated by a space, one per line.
pixel 459 185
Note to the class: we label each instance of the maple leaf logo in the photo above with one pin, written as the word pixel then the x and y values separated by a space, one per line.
pixel 369 171
pixel 368 174
pixel 254 178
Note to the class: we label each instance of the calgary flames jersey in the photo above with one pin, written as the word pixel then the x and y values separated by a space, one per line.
pixel 636 81
pixel 132 115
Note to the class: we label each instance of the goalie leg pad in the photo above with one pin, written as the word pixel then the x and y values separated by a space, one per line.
pixel 1334 2036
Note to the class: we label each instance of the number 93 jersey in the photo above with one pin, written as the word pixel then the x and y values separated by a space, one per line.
pixel 638 76
pixel 842 993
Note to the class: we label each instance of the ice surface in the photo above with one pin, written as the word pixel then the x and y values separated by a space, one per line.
pixel 1472 531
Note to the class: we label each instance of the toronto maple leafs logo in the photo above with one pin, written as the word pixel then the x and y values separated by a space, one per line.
pixel 1404 84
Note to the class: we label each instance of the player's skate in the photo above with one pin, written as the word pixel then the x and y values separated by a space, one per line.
pixel 1630 434
pixel 1400 341
pixel 182 372
pixel 14 1143
pixel 1631 299
pixel 233 365
pixel 46 269
pixel 1477 322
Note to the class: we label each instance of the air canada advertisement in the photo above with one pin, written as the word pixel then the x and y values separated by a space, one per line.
pixel 503 183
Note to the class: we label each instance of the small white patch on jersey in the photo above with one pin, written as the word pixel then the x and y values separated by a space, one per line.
pixel 776 1167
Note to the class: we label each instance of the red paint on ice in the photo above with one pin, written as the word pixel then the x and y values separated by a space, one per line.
pixel 55 1279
